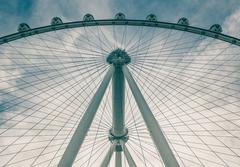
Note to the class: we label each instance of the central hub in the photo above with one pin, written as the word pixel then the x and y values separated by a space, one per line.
pixel 124 137
pixel 118 139
pixel 118 57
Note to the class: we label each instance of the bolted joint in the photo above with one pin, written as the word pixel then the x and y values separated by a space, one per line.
pixel 118 140
pixel 118 57
pixel 112 138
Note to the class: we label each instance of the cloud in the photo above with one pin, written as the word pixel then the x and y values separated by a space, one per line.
pixel 41 15
pixel 43 11
pixel 232 23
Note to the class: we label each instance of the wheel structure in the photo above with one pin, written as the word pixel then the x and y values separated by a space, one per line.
pixel 119 92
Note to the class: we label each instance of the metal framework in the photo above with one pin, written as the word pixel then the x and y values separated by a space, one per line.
pixel 119 73
pixel 82 129
pixel 118 134
pixel 108 22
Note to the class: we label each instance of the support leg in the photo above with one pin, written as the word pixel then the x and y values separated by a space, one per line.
pixel 118 159
pixel 85 123
pixel 108 156
pixel 128 156
pixel 151 123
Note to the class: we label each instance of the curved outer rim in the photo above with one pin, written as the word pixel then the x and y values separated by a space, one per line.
pixel 107 22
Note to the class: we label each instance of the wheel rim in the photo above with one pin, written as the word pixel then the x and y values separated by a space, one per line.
pixel 190 81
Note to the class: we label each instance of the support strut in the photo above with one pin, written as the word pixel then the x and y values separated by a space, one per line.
pixel 151 123
pixel 128 156
pixel 118 159
pixel 85 123
pixel 108 156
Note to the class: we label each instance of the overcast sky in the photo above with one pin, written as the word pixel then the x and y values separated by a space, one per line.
pixel 201 13
pixel 37 13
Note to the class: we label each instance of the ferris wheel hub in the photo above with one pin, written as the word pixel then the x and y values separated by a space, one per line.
pixel 118 140
pixel 112 138
pixel 118 57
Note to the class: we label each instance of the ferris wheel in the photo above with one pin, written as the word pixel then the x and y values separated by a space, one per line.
pixel 119 92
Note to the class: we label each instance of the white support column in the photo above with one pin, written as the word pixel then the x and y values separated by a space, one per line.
pixel 118 159
pixel 128 156
pixel 118 102
pixel 108 156
pixel 85 123
pixel 151 123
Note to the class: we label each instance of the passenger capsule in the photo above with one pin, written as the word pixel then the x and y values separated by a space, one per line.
pixel 216 28
pixel 88 17
pixel 183 21
pixel 56 21
pixel 120 16
pixel 23 27
pixel 151 17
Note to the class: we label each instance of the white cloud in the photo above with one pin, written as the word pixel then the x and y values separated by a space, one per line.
pixel 231 24
pixel 46 9
pixel 8 74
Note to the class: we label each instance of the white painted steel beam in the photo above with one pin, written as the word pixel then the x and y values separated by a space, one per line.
pixel 85 123
pixel 128 156
pixel 108 156
pixel 118 159
pixel 151 123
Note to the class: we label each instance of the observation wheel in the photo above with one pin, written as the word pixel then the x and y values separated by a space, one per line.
pixel 119 92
